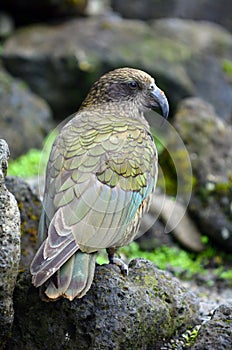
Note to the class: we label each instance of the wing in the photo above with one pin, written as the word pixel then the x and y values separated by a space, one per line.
pixel 98 176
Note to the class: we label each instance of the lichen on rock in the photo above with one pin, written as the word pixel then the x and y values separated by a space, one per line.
pixel 9 247
pixel 132 312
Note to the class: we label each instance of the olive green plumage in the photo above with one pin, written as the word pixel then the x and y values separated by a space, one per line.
pixel 100 177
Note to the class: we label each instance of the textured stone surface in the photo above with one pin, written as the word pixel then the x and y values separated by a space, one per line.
pixel 9 247
pixel 30 208
pixel 132 312
pixel 209 142
pixel 204 49
pixel 216 334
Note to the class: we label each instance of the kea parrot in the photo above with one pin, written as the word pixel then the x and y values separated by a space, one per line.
pixel 100 178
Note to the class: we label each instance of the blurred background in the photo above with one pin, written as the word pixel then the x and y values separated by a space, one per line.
pixel 51 51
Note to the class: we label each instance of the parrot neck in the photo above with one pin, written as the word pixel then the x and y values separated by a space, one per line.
pixel 117 110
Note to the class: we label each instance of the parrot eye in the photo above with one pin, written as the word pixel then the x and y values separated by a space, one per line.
pixel 133 85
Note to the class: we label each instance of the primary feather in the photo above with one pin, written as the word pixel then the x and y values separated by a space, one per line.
pixel 100 177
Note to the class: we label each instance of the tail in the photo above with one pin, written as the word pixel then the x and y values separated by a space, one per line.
pixel 59 267
pixel 74 278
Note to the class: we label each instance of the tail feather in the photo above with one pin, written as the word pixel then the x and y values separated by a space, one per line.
pixel 42 269
pixel 74 278
pixel 90 275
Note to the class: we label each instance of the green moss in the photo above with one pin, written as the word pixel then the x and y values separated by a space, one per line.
pixel 184 264
pixel 227 68
pixel 190 336
pixel 102 258
pixel 169 50
pixel 26 165
pixel 223 188
pixel 226 275
pixel 216 189
pixel 33 162
pixel 216 192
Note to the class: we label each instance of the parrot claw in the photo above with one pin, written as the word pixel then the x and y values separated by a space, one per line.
pixel 117 261
pixel 123 266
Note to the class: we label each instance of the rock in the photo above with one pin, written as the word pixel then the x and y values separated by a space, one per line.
pixel 74 62
pixel 210 10
pixel 148 9
pixel 216 333
pixel 167 223
pixel 62 68
pixel 25 119
pixel 182 227
pixel 6 25
pixel 154 235
pixel 209 142
pixel 25 12
pixel 132 312
pixel 207 138
pixel 30 208
pixel 9 247
pixel 99 7
pixel 210 51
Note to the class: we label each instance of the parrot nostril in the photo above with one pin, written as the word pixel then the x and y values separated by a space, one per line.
pixel 152 86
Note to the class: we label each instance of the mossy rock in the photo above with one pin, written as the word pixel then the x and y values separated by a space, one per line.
pixel 133 312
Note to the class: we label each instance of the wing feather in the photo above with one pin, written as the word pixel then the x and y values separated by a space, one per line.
pixel 96 183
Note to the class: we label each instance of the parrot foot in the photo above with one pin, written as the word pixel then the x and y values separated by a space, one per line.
pixel 113 259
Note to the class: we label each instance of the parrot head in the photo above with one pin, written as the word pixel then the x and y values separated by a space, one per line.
pixel 128 86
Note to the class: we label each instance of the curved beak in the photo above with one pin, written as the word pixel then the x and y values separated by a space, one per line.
pixel 160 100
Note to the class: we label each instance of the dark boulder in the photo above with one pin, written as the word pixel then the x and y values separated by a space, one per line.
pixel 9 248
pixel 186 58
pixel 209 10
pixel 30 208
pixel 133 312
pixel 25 119
pixel 216 334
pixel 209 142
